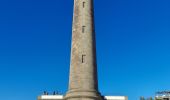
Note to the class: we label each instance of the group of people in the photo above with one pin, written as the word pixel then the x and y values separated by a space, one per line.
pixel 54 93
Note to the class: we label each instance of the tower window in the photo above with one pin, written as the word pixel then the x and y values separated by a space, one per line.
pixel 84 4
pixel 83 29
pixel 83 58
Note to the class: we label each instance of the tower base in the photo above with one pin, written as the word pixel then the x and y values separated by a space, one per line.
pixel 82 95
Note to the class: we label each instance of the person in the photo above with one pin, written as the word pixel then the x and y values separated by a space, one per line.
pixel 54 93
pixel 45 93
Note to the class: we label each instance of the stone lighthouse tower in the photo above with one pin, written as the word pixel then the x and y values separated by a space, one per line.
pixel 83 83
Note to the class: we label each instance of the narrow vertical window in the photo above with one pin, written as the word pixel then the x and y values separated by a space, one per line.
pixel 84 4
pixel 83 29
pixel 83 58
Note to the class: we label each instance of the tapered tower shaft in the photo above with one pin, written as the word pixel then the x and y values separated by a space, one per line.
pixel 83 69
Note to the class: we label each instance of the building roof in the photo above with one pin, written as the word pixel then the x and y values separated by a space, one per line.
pixel 115 97
pixel 50 97
pixel 60 97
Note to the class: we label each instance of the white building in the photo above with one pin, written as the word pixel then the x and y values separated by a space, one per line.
pixel 60 97
pixel 164 97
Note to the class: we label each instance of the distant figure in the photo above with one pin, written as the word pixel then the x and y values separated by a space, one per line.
pixel 45 93
pixel 54 93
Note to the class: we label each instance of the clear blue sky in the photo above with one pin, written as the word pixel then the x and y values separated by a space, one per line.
pixel 133 47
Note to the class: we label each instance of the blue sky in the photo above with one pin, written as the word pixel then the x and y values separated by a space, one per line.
pixel 133 47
